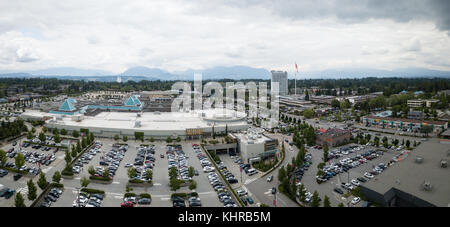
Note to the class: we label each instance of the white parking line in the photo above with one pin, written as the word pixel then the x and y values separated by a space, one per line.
pixel 116 182
pixel 157 184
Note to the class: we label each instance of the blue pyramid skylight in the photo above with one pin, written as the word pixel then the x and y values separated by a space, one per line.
pixel 67 106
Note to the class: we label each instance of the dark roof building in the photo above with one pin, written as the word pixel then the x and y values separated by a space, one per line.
pixel 419 180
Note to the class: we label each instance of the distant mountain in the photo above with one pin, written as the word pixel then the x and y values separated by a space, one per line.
pixel 368 72
pixel 68 71
pixel 143 71
pixel 220 72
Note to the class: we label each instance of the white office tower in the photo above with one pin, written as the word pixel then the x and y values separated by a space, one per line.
pixel 119 79
pixel 282 79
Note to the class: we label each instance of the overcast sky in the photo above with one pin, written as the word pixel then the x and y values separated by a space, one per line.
pixel 114 35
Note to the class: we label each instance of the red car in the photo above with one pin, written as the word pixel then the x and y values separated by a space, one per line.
pixel 127 204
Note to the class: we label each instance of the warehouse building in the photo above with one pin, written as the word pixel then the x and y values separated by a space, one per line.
pixel 419 180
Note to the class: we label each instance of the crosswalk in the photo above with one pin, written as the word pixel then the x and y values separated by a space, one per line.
pixel 22 190
pixel 248 181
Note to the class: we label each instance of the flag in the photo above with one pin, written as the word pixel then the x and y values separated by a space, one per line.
pixel 296 66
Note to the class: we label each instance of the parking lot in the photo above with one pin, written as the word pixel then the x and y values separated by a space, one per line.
pixel 160 191
pixel 37 159
pixel 327 188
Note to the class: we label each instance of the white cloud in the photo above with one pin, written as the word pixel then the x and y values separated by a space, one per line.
pixel 176 35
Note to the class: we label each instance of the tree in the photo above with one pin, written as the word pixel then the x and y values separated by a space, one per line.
pixel 173 173
pixel 149 174
pixel 178 139
pixel 63 132
pixel 84 182
pixel 57 138
pixel 131 172
pixel 32 190
pixel 44 129
pixel 326 202
pixel 19 201
pixel 74 152
pixel 169 139
pixel 56 177
pixel 174 184
pixel 30 135
pixel 191 171
pixel 125 138
pixel 75 133
pixel 281 174
pixel 106 173
pixel 152 139
pixel 78 148
pixel 42 182
pixel 192 185
pixel 68 158
pixel 341 205
pixel 3 157
pixel 301 192
pixel 325 153
pixel 335 103
pixel 55 131
pixel 408 143
pixel 42 137
pixel 91 170
pixel 83 142
pixel 315 200
pixel 19 160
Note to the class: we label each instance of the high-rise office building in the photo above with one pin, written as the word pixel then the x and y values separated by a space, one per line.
pixel 282 79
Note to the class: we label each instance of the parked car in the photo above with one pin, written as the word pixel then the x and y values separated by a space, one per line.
pixel 338 190
pixel 144 201
pixel 269 179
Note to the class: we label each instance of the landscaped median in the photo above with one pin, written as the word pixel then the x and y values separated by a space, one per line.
pixel 223 177
pixel 38 200
pixel 67 172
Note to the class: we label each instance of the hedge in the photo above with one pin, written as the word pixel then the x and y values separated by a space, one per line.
pixel 92 191
pixel 182 195
pixel 136 181
pixel 145 195
pixel 14 170
pixel 99 178
pixel 129 194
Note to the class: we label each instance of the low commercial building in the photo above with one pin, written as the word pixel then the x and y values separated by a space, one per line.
pixel 402 123
pixel 419 103
pixel 419 180
pixel 254 145
pixel 322 99
pixel 186 125
pixel 332 137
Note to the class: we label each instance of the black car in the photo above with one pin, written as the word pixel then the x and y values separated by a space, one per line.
pixel 17 176
pixel 3 172
pixel 50 198
pixel 338 190
pixel 362 179
pixel 14 143
pixel 9 193
pixel 144 201
pixel 179 204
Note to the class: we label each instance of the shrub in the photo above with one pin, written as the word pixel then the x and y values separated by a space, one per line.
pixel 145 195
pixel 92 191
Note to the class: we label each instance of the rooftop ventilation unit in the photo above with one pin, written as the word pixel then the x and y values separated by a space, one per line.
pixel 419 159
pixel 427 186
pixel 137 124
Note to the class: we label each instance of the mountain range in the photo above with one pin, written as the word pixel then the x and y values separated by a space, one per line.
pixel 220 72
